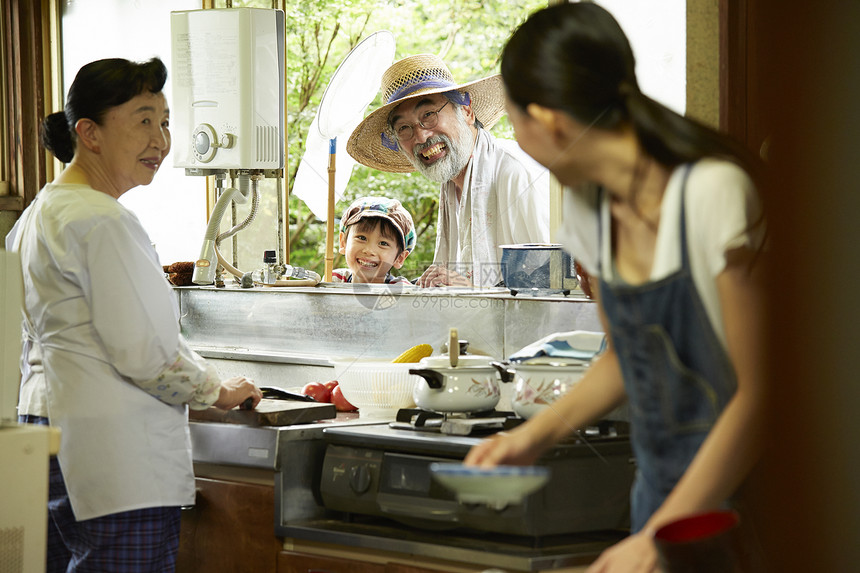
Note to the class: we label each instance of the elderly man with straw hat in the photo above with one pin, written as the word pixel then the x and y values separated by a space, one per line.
pixel 492 193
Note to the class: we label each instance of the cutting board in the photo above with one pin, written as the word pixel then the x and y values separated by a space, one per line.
pixel 268 413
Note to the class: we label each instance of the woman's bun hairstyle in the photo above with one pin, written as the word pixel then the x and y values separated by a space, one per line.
pixel 56 137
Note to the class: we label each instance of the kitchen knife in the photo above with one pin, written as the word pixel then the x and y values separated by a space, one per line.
pixel 274 393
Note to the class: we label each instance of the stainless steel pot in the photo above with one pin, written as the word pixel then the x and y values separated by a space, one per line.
pixel 539 385
pixel 543 266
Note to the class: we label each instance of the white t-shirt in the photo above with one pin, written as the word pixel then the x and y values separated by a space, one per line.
pixel 722 208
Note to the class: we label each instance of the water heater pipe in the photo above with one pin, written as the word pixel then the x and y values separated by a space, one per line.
pixel 207 263
pixel 255 205
pixel 210 256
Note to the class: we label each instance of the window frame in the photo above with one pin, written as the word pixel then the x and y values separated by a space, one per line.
pixel 29 78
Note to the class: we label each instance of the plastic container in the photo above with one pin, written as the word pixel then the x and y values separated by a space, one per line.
pixel 378 389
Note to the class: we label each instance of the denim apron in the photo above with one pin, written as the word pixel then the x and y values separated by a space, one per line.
pixel 677 376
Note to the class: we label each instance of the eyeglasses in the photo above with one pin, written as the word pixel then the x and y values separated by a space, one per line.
pixel 404 131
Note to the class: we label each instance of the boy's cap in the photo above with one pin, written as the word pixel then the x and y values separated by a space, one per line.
pixel 385 208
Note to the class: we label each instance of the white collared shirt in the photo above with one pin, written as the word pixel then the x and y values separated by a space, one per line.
pixel 107 363
pixel 505 200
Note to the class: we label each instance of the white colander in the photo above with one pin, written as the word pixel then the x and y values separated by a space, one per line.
pixel 378 389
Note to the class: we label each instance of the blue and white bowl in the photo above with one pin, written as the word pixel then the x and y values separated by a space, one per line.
pixel 496 487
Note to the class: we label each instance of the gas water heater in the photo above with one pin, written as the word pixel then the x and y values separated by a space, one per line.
pixel 228 89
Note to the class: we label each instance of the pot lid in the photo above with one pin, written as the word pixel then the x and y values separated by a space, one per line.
pixel 464 361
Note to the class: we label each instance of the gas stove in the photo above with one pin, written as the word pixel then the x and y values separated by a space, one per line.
pixel 486 423
pixel 384 471
pixel 455 424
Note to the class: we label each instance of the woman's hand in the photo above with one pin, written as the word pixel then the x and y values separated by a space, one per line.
pixel 511 448
pixel 436 276
pixel 235 391
pixel 501 448
pixel 635 554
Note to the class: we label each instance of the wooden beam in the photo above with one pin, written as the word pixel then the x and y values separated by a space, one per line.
pixel 733 68
pixel 25 97
pixel 11 203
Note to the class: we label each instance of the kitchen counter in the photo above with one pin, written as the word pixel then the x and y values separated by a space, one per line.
pixel 289 336
pixel 286 461
pixel 268 455
pixel 372 322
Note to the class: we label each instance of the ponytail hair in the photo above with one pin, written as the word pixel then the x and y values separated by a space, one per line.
pixel 577 59
pixel 98 87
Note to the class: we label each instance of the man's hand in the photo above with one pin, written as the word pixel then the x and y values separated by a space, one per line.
pixel 437 276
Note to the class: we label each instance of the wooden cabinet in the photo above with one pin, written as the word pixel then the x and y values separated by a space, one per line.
pixel 401 568
pixel 292 562
pixel 299 562
pixel 230 529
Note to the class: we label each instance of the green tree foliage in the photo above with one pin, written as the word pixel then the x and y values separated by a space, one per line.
pixel 467 34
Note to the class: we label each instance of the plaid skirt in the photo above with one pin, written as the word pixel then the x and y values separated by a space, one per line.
pixel 138 541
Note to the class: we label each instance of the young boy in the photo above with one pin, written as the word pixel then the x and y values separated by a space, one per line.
pixel 376 234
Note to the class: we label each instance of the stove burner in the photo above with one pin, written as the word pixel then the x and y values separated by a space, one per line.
pixel 455 423
pixel 416 416
pixel 420 417
pixel 490 422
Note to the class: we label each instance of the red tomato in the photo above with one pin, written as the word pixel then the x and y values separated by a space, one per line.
pixel 317 391
pixel 330 385
pixel 340 402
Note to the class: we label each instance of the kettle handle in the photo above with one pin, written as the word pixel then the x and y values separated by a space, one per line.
pixel 434 378
pixel 505 373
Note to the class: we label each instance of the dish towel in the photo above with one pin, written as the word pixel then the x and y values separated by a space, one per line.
pixel 576 345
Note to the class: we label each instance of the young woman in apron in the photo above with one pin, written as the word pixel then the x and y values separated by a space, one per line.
pixel 664 213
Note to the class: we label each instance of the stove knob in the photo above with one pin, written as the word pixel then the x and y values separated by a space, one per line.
pixel 359 478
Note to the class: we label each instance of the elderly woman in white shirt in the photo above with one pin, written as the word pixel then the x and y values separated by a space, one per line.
pixel 103 358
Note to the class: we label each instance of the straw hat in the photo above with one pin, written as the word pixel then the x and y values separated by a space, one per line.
pixel 409 78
